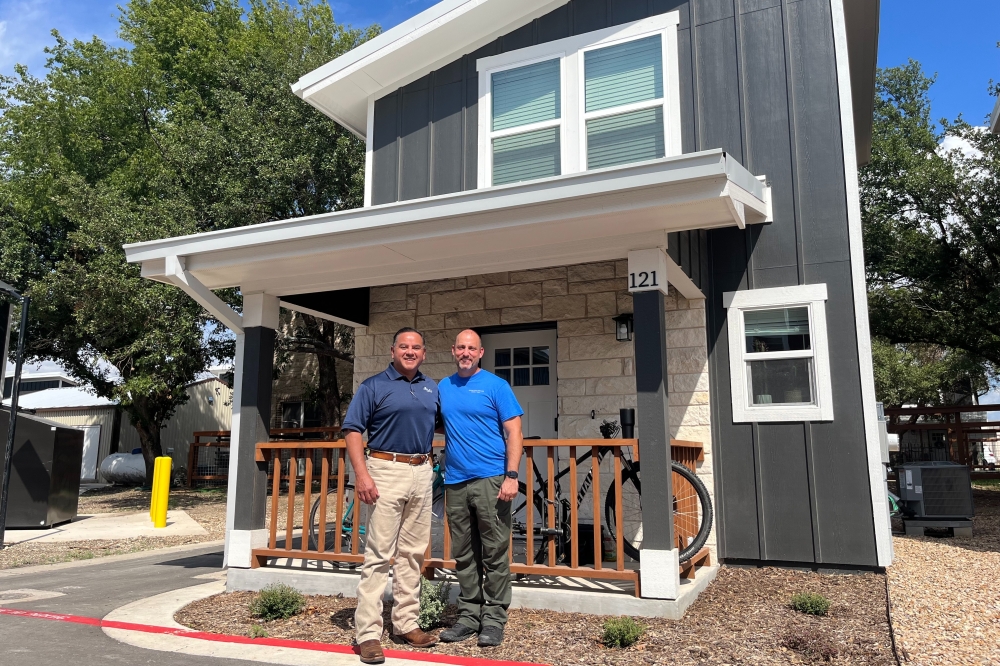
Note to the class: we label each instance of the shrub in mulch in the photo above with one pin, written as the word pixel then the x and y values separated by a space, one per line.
pixel 621 632
pixel 433 603
pixel 811 603
pixel 812 643
pixel 277 602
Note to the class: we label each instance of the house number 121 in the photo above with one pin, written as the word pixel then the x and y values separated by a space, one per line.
pixel 645 279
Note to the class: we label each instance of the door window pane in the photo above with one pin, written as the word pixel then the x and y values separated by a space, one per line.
pixel 504 374
pixel 540 355
pixel 522 376
pixel 781 329
pixel 501 357
pixel 625 138
pixel 782 381
pixel 526 95
pixel 521 356
pixel 526 156
pixel 540 376
pixel 624 74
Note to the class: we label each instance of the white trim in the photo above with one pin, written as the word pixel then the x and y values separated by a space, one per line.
pixel 260 309
pixel 176 273
pixel 876 471
pixel 572 115
pixel 995 118
pixel 659 575
pixel 233 489
pixel 811 296
pixel 370 152
pixel 319 315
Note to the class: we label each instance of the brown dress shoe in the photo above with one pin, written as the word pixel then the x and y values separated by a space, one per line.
pixel 371 652
pixel 418 638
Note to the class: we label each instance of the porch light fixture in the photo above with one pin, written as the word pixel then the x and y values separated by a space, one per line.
pixel 623 327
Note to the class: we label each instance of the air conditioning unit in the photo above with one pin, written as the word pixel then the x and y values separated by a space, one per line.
pixel 936 490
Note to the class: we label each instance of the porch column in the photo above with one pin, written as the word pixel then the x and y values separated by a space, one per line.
pixel 659 570
pixel 247 496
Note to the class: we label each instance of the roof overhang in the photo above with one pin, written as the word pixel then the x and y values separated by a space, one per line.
pixel 862 21
pixel 412 49
pixel 995 118
pixel 589 216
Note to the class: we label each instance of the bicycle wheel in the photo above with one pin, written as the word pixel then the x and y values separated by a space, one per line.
pixel 336 527
pixel 519 507
pixel 692 509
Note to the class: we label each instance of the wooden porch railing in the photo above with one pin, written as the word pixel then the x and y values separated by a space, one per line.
pixel 220 439
pixel 326 464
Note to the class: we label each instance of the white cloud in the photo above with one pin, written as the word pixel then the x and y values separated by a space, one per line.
pixel 26 26
pixel 950 143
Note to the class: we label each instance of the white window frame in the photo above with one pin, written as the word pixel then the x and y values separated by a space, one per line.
pixel 572 116
pixel 811 296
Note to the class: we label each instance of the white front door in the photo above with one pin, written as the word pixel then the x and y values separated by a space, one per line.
pixel 91 445
pixel 527 360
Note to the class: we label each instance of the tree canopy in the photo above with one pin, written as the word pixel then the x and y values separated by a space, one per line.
pixel 931 211
pixel 190 127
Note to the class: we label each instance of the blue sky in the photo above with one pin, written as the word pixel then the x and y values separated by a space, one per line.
pixel 958 43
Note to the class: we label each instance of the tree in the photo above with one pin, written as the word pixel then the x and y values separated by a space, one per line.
pixel 931 219
pixel 190 128
pixel 333 346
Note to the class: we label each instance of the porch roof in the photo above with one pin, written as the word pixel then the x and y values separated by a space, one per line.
pixel 589 216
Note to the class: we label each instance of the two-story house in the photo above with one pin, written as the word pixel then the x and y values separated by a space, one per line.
pixel 647 204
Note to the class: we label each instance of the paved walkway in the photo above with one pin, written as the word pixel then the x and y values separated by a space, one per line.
pixel 110 526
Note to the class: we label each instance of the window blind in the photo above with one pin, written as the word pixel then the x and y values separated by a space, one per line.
pixel 526 95
pixel 526 156
pixel 628 137
pixel 624 74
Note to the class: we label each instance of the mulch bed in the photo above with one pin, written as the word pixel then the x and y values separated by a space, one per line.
pixel 742 618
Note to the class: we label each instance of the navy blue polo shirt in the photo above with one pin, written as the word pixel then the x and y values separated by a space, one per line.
pixel 398 414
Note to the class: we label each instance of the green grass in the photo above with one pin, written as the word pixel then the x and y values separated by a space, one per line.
pixel 622 632
pixel 811 603
pixel 986 484
pixel 257 631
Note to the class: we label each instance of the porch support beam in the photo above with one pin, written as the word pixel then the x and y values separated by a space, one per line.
pixel 247 495
pixel 176 273
pixel 659 568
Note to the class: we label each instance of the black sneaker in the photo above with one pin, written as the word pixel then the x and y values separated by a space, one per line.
pixel 456 634
pixel 491 637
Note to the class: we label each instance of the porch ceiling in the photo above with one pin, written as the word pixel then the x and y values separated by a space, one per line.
pixel 590 216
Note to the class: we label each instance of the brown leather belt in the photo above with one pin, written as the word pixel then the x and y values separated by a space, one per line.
pixel 415 459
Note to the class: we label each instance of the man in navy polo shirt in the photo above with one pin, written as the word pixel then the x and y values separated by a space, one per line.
pixel 399 408
pixel 482 423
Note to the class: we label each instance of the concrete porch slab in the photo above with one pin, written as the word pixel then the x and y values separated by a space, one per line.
pixel 106 526
pixel 571 595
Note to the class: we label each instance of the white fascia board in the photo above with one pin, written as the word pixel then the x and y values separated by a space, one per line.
pixel 995 118
pixel 416 47
pixel 876 471
pixel 694 171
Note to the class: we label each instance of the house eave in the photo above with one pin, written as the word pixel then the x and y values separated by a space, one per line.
pixel 566 219
pixel 995 118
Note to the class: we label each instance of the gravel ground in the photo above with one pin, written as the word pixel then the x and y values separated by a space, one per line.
pixel 742 618
pixel 945 607
pixel 207 506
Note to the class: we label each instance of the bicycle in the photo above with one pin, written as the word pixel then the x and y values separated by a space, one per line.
pixel 692 509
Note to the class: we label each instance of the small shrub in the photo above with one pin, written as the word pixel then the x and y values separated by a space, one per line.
pixel 433 602
pixel 811 603
pixel 621 632
pixel 277 602
pixel 257 631
pixel 811 643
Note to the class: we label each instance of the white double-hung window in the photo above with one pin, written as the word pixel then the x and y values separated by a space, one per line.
pixel 597 100
pixel 778 354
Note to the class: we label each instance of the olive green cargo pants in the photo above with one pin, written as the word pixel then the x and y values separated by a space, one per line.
pixel 480 544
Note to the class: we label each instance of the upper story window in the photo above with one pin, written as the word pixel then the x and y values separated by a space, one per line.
pixel 778 357
pixel 592 101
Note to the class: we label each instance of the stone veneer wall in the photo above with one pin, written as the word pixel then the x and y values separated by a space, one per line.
pixel 595 371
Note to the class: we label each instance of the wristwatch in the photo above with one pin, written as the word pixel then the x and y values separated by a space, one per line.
pixel 511 475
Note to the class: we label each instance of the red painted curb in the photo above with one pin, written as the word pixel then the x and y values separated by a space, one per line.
pixel 272 642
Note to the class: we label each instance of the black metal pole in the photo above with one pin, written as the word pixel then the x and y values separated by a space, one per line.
pixel 15 391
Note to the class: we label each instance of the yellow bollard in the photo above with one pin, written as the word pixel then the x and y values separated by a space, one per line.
pixel 156 481
pixel 161 494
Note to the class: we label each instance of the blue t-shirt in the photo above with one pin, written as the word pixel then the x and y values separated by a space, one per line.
pixel 474 410
pixel 398 414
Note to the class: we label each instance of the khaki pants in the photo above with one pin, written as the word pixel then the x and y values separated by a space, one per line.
pixel 398 526
pixel 480 543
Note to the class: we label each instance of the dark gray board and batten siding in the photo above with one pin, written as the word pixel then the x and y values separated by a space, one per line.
pixel 759 80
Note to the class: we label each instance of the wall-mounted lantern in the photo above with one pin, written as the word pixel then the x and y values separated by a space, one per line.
pixel 623 327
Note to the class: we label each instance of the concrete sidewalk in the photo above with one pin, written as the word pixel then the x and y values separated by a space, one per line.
pixel 102 526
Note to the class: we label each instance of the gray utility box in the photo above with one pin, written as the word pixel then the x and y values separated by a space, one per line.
pixel 45 471
pixel 936 489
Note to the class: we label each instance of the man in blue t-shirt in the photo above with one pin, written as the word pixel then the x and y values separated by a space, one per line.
pixel 482 425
